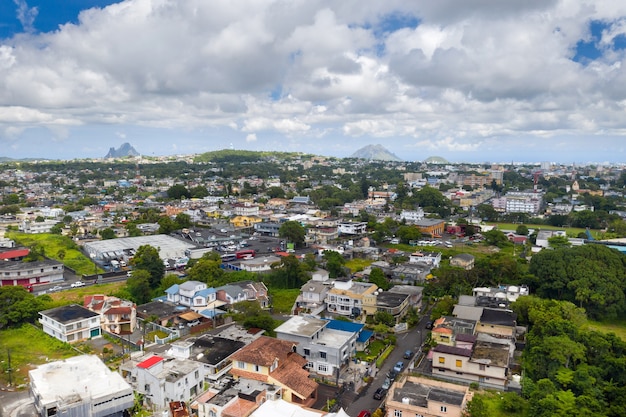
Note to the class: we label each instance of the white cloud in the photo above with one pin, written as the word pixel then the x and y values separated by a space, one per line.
pixel 482 71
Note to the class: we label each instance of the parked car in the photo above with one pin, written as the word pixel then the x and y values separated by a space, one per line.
pixel 429 325
pixel 392 374
pixel 364 413
pixel 77 284
pixel 408 354
pixel 56 288
pixel 399 366
pixel 193 323
pixel 387 383
pixel 380 393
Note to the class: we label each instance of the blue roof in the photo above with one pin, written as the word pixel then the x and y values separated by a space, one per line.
pixel 205 292
pixel 345 326
pixel 211 312
pixel 172 290
pixel 364 336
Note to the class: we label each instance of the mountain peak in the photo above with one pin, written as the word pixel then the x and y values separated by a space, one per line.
pixel 125 150
pixel 378 152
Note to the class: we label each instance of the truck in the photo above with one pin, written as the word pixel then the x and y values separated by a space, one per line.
pixel 196 253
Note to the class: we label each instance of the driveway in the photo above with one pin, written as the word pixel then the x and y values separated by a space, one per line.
pixel 405 341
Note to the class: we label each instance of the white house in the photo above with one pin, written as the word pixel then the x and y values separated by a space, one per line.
pixel 71 323
pixel 429 258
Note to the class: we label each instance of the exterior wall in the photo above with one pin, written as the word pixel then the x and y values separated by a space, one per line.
pixel 432 408
pixel 322 359
pixel 24 273
pixel 462 368
pixel 71 332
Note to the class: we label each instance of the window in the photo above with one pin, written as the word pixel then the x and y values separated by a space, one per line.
pixel 241 365
pixel 212 413
pixel 481 367
pixel 397 413
pixel 323 355
pixel 322 368
pixel 257 368
pixel 442 359
pixel 459 363
pixel 307 352
pixel 444 409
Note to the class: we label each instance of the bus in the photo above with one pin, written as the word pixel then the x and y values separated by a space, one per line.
pixel 245 253
pixel 229 257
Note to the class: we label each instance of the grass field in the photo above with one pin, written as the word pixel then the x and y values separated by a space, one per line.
pixel 76 295
pixel 283 299
pixel 358 265
pixel 617 326
pixel 29 347
pixel 58 247
pixel 571 231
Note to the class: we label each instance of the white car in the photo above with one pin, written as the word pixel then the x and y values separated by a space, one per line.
pixel 55 288
pixel 78 284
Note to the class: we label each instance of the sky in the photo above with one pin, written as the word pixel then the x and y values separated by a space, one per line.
pixel 470 81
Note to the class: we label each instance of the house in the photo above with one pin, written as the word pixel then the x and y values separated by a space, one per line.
pixel 95 390
pixel 394 303
pixel 414 396
pixel 326 349
pixel 116 315
pixel 71 323
pixel 231 294
pixel 346 297
pixel 497 322
pixel 274 361
pixel 352 228
pixel 429 258
pixel 463 260
pixel 412 216
pixel 501 295
pixel 161 380
pixel 213 352
pixel 414 293
pixel 312 296
pixel 235 398
pixel 446 329
pixel 254 291
pixel 161 312
pixel 259 264
pixel 487 362
pixel 240 221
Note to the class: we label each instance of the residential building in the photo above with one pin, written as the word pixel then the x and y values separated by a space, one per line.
pixel 71 323
pixel 413 397
pixel 259 263
pixel 30 227
pixel 116 315
pixel 395 303
pixel 163 313
pixel 235 399
pixel 352 228
pixel 79 386
pixel 414 293
pixel 30 273
pixel 501 294
pixel 326 349
pixel 487 362
pixel 463 260
pixel 446 329
pixel 346 297
pixel 267 229
pixel 162 380
pixel 433 227
pixel 278 407
pixel 497 322
pixel 312 296
pixel 274 361
pixel 429 258
pixel 412 216
pixel 213 352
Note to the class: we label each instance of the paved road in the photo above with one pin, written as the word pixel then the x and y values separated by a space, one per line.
pixel 16 404
pixel 407 341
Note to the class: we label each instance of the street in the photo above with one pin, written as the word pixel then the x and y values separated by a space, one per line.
pixel 406 341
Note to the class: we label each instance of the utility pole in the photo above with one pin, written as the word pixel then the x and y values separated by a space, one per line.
pixel 9 370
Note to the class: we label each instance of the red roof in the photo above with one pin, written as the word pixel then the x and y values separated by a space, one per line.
pixel 16 253
pixel 150 362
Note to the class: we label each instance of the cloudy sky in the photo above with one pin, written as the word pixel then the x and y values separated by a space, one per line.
pixel 471 80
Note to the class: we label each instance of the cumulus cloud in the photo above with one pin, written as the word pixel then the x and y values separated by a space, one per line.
pixel 486 71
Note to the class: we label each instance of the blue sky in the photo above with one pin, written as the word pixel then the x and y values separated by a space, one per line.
pixel 481 80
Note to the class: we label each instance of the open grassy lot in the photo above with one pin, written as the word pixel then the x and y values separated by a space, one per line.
pixel 283 299
pixel 58 247
pixel 615 326
pixel 29 347
pixel 357 264
pixel 76 295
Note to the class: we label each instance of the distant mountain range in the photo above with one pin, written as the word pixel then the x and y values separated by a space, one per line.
pixel 376 152
pixel 125 150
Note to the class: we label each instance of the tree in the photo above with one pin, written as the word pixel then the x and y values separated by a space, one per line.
pixel 208 270
pixel 167 225
pixel 293 232
pixel 183 221
pixel 178 191
pixel 275 192
pixel 408 233
pixel 147 258
pixel 334 263
pixel 382 317
pixel 556 242
pixel 522 230
pixel 377 276
pixel 496 238
pixel 18 306
pixel 139 286
pixel 107 233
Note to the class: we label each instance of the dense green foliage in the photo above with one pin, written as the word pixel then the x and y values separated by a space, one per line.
pixel 591 276
pixel 18 306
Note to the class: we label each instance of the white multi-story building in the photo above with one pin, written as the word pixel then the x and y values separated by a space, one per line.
pixel 71 323
pixel 352 228
pixel 79 386
pixel 412 216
